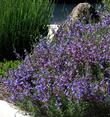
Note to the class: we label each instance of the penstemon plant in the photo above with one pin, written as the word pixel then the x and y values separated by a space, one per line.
pixel 73 69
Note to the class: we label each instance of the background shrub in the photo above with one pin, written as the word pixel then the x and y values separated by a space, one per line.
pixel 107 3
pixel 21 22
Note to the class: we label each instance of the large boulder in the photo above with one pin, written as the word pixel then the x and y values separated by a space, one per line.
pixel 84 10
pixel 81 10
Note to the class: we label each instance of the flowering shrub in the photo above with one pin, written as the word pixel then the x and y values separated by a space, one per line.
pixel 71 70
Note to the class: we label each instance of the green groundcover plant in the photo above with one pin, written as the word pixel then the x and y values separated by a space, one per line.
pixel 6 65
pixel 21 22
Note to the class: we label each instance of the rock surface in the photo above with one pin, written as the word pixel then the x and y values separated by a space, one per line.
pixel 81 10
pixel 51 31
pixel 8 110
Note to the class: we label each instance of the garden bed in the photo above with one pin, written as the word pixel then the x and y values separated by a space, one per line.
pixel 68 77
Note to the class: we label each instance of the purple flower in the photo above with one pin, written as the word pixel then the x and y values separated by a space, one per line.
pixel 73 65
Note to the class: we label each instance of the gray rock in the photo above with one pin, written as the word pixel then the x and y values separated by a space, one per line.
pixel 81 10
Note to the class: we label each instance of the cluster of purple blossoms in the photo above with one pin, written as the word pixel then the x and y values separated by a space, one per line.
pixel 65 66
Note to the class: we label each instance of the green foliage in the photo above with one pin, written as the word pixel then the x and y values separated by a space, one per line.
pixel 96 109
pixel 69 108
pixel 28 107
pixel 21 22
pixel 6 65
pixel 80 109
pixel 107 3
